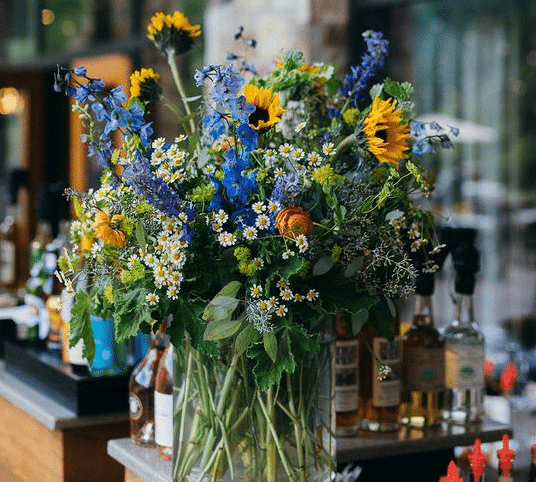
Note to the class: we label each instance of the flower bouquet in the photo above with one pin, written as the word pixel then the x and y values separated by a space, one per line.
pixel 283 200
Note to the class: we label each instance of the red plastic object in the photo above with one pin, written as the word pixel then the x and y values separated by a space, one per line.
pixel 452 474
pixel 505 455
pixel 478 461
pixel 508 377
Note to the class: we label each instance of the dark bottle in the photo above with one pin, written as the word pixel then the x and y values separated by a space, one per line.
pixel 346 377
pixel 52 290
pixel 423 363
pixel 141 392
pixel 163 405
pixel 532 471
pixel 10 266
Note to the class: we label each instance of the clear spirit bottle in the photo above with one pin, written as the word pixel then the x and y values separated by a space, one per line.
pixel 464 342
pixel 423 363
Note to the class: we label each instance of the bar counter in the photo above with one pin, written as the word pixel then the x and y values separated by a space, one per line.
pixel 40 440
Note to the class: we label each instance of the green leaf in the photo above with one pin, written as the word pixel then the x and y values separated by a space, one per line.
pixel 343 297
pixel 270 345
pixel 140 235
pixel 322 266
pixel 353 267
pixel 246 338
pixel 376 91
pixel 218 330
pixel 359 320
pixel 130 311
pixel 220 309
pixel 223 304
pixel 292 267
pixel 80 326
pixel 382 320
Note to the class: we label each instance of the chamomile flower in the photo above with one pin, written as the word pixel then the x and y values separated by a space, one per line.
pixel 180 138
pixel 314 159
pixel 282 284
pixel 272 302
pixel 285 150
pixel 172 292
pixel 298 297
pixel 279 172
pixel 281 310
pixel 258 207
pixel 217 227
pixel 158 143
pixel 159 274
pixel 152 299
pixel 150 260
pixel 263 221
pixel 273 206
pixel 256 291
pixel 328 148
pixel 227 239
pixel 312 295
pixel 297 154
pixel 263 305
pixel 132 261
pixel 269 155
pixel 286 294
pixel 221 216
pixel 301 243
pixel 250 233
pixel 288 254
pixel 209 169
pixel 258 263
pixel 414 231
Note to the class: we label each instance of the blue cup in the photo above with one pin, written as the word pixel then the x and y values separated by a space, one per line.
pixel 103 331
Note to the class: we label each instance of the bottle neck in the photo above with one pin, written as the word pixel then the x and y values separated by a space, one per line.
pixel 423 310
pixel 463 309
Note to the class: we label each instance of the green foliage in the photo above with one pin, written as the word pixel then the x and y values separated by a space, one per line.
pixel 80 326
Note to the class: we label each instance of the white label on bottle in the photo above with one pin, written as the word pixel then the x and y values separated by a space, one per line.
pixel 464 366
pixel 7 262
pixel 386 393
pixel 135 407
pixel 163 419
pixel 346 375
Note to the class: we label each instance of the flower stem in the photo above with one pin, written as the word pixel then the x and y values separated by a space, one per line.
pixel 281 451
pixel 178 82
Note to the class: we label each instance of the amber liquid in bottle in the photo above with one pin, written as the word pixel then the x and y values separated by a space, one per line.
pixel 423 370
pixel 379 400
pixel 141 393
pixel 163 404
pixel 346 378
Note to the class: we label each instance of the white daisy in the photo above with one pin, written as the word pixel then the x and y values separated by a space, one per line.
pixel 258 207
pixel 328 148
pixel 301 243
pixel 262 221
pixel 312 295
pixel 256 291
pixel 281 310
pixel 250 233
pixel 152 299
pixel 285 150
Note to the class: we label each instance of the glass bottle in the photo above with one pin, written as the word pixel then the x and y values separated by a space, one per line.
pixel 141 392
pixel 423 367
pixel 52 290
pixel 346 377
pixel 10 266
pixel 464 342
pixel 532 471
pixel 163 405
pixel 38 244
pixel 379 396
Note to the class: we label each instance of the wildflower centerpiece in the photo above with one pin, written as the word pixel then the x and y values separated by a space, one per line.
pixel 283 200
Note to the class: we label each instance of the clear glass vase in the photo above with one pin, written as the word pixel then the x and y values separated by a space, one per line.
pixel 227 430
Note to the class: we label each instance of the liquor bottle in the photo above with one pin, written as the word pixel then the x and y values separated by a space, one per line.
pixel 423 367
pixel 52 290
pixel 505 456
pixel 163 405
pixel 10 266
pixel 141 392
pixel 43 237
pixel 379 395
pixel 464 342
pixel 346 377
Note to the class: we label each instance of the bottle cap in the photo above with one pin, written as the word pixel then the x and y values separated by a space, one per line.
pixel 505 455
pixel 478 461
pixel 452 474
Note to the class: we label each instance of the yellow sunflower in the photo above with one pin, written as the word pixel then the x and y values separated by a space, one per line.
pixel 172 32
pixel 386 135
pixel 144 84
pixel 267 109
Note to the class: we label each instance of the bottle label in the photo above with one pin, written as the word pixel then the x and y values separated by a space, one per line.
pixel 346 375
pixel 163 419
pixel 135 407
pixel 386 392
pixel 7 262
pixel 424 369
pixel 464 366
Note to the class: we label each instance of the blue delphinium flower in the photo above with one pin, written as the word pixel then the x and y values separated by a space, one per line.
pixel 286 190
pixel 156 192
pixel 357 80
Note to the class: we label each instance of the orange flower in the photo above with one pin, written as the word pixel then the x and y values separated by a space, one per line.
pixel 291 222
pixel 103 229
